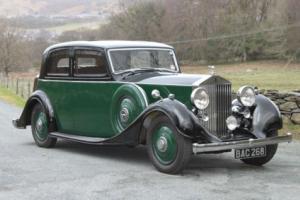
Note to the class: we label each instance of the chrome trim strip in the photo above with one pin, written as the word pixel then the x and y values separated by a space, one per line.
pixel 77 137
pixel 211 147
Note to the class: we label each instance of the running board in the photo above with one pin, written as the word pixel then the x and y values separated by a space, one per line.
pixel 78 138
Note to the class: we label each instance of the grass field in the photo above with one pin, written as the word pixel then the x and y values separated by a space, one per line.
pixel 76 26
pixel 11 97
pixel 265 75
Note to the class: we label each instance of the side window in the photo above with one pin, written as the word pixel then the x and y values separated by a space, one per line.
pixel 58 63
pixel 90 63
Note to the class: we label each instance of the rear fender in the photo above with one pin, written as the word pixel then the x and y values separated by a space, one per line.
pixel 37 97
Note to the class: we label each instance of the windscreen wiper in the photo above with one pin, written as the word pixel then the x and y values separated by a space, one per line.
pixel 128 73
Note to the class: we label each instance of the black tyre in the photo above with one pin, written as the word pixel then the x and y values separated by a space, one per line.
pixel 270 152
pixel 39 127
pixel 168 150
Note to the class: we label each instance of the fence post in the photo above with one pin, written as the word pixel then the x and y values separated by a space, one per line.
pixel 22 92
pixel 12 84
pixel 17 87
pixel 29 88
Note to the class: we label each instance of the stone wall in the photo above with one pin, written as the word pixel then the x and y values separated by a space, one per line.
pixel 288 103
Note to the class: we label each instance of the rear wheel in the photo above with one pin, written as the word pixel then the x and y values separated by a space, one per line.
pixel 39 127
pixel 270 152
pixel 168 150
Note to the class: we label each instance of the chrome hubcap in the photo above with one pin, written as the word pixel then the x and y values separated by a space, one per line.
pixel 124 115
pixel 39 125
pixel 162 144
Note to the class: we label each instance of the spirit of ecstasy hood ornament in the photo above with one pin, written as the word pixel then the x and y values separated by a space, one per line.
pixel 211 70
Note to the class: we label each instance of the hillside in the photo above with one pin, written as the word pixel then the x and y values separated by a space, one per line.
pixel 15 8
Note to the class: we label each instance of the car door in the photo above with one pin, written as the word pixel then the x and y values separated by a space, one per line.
pixel 56 83
pixel 91 93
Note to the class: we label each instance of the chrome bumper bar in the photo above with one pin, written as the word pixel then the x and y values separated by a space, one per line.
pixel 211 147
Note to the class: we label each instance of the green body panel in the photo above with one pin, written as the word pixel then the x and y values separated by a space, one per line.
pixel 182 93
pixel 84 107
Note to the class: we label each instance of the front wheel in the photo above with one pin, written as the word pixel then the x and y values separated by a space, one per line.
pixel 270 152
pixel 168 150
pixel 39 127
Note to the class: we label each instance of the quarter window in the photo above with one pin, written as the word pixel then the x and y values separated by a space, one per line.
pixel 58 63
pixel 90 63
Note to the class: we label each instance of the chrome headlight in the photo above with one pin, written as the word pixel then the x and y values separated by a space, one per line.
pixel 246 96
pixel 200 98
pixel 232 123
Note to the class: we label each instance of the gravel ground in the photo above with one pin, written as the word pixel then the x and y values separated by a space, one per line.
pixel 76 171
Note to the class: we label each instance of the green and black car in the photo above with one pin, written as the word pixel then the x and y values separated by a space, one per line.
pixel 133 93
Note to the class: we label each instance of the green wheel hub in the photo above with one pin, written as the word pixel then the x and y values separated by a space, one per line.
pixel 41 126
pixel 164 145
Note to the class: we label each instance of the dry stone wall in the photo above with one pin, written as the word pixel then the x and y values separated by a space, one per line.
pixel 287 102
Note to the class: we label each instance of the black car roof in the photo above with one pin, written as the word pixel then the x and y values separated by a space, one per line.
pixel 110 44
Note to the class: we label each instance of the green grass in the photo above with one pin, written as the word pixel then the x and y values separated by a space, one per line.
pixel 76 26
pixel 11 98
pixel 265 75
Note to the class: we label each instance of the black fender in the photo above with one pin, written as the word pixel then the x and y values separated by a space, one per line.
pixel 40 97
pixel 266 117
pixel 183 119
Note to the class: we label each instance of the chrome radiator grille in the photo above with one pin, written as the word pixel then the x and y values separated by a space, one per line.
pixel 219 108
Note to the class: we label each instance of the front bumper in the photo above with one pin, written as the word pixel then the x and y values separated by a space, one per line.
pixel 223 146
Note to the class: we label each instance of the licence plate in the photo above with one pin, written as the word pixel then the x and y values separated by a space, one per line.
pixel 253 152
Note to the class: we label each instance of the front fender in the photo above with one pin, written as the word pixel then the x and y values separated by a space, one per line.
pixel 266 117
pixel 182 118
pixel 185 121
pixel 37 97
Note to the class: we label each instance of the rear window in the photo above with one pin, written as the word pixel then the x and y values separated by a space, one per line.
pixel 58 63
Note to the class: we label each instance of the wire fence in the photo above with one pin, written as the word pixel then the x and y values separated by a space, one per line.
pixel 22 87
pixel 237 35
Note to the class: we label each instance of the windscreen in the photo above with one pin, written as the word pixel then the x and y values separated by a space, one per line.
pixel 131 59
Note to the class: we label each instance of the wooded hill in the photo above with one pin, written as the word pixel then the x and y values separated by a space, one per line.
pixel 202 31
pixel 214 31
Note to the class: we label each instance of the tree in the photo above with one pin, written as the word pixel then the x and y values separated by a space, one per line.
pixel 10 48
pixel 293 32
pixel 142 21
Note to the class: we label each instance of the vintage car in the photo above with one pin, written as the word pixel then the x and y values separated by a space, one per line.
pixel 133 93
